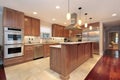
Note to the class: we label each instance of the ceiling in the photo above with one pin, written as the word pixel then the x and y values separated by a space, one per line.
pixel 99 10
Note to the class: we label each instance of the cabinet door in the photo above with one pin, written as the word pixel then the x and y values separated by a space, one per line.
pixel 46 50
pixel 28 52
pixel 27 26
pixel 35 27
pixel 19 19
pixel 57 30
pixel 66 33
pixel 8 17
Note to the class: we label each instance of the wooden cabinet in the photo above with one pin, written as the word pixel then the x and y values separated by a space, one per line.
pixel 13 61
pixel 28 52
pixel 59 31
pixel 32 26
pixel 46 50
pixel 13 18
pixel 35 27
pixel 27 26
pixel 66 33
pixel 95 47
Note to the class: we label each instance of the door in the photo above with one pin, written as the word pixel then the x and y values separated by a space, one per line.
pixel 113 40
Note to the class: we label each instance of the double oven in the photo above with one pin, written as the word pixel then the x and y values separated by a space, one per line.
pixel 13 42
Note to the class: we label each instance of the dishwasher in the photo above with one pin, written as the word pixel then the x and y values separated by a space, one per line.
pixel 38 51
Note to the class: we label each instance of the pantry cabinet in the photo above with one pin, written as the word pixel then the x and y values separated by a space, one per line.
pixel 31 26
pixel 13 18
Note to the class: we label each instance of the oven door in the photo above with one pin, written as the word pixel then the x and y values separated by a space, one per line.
pixel 13 50
pixel 13 37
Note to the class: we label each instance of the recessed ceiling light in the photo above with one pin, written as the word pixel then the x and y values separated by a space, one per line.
pixel 53 19
pixel 114 14
pixel 35 13
pixel 57 7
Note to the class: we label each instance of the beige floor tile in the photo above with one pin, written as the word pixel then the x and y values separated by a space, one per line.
pixel 40 70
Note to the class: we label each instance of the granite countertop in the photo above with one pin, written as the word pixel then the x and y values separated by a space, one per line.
pixel 75 42
pixel 55 46
pixel 37 43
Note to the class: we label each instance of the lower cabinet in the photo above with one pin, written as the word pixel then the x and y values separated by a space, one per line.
pixel 13 61
pixel 46 50
pixel 28 52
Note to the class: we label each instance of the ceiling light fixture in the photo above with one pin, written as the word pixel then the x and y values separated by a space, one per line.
pixel 90 27
pixel 86 24
pixel 53 19
pixel 79 20
pixel 57 7
pixel 35 13
pixel 114 14
pixel 68 16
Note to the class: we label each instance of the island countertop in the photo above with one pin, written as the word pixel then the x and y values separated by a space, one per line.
pixel 55 46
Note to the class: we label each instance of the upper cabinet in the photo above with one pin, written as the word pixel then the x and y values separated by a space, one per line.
pixel 35 27
pixel 31 26
pixel 13 18
pixel 59 31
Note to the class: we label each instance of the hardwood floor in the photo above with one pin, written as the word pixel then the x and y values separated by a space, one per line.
pixel 2 73
pixel 107 68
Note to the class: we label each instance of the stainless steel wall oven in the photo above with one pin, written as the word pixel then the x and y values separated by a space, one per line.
pixel 13 42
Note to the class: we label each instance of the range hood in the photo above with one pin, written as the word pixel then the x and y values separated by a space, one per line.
pixel 73 25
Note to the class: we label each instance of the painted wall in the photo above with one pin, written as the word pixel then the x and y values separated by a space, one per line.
pixel 1 28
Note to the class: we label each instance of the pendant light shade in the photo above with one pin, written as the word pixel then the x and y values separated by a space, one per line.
pixel 68 16
pixel 79 20
pixel 86 25
pixel 90 27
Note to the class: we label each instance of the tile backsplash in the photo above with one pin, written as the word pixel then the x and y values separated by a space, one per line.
pixel 32 39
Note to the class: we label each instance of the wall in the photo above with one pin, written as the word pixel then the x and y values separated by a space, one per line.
pixel 1 28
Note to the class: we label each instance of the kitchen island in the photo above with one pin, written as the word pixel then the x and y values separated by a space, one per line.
pixel 68 56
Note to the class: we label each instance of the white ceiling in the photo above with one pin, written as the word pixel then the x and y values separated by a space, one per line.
pixel 99 10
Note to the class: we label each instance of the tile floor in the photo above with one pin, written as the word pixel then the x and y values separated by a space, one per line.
pixel 39 70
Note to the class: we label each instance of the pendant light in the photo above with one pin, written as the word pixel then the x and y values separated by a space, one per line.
pixel 68 16
pixel 86 24
pixel 79 20
pixel 90 27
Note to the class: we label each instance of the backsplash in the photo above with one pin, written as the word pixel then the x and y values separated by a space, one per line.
pixel 31 39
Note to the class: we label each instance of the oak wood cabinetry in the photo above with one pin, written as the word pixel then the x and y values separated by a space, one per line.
pixel 28 52
pixel 13 18
pixel 13 61
pixel 95 47
pixel 46 50
pixel 70 56
pixel 66 33
pixel 59 31
pixel 32 26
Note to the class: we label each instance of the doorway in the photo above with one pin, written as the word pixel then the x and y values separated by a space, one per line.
pixel 113 40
